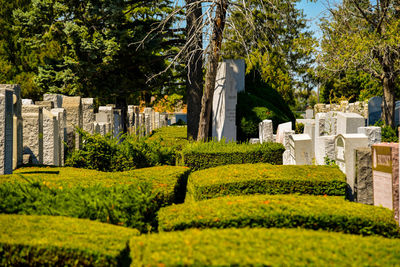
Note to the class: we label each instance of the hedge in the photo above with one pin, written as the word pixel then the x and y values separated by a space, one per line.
pixel 281 211
pixel 200 155
pixel 172 136
pixel 262 247
pixel 130 198
pixel 60 241
pixel 245 179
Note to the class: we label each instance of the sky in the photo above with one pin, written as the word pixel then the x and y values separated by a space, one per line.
pixel 314 11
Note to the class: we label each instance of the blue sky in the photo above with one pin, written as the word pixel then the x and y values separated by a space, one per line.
pixel 313 11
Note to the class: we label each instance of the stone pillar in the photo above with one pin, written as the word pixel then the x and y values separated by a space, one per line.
pixel 62 132
pixel 103 124
pixel 385 173
pixel 6 130
pixel 33 133
pixel 47 105
pixel 73 107
pixel 56 99
pixel 157 120
pixel 309 128
pixel 51 141
pixel 266 133
pixel 374 134
pixel 331 123
pixel 229 81
pixel 363 186
pixel 88 118
pixel 163 119
pixel 131 119
pixel 147 118
pixel 287 159
pixel 17 123
pixel 109 111
pixel 117 122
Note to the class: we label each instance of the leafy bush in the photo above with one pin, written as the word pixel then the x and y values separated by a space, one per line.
pixel 388 133
pixel 130 199
pixel 61 241
pixel 262 247
pixel 281 211
pixel 299 129
pixel 246 179
pixel 172 137
pixel 106 153
pixel 201 155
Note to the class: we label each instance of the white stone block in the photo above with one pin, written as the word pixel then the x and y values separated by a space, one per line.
pixel 266 132
pixel 282 128
pixel 300 149
pixel 73 108
pixel 373 133
pixel 348 123
pixel 324 149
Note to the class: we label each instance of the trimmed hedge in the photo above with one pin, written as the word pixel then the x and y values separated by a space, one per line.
pixel 202 155
pixel 172 136
pixel 60 241
pixel 131 198
pixel 281 211
pixel 246 179
pixel 262 247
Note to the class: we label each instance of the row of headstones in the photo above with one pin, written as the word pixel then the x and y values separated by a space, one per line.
pixel 371 167
pixel 36 133
pixel 358 107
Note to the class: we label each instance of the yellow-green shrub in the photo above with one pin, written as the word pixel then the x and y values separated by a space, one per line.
pixel 282 211
pixel 262 247
pixel 61 241
pixel 245 179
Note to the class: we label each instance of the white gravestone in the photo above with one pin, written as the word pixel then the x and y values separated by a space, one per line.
pixel 6 131
pixel 88 117
pixel 300 149
pixel 309 128
pixel 50 139
pixel 331 123
pixel 373 133
pixel 348 123
pixel 345 145
pixel 147 117
pixel 286 158
pixel 33 133
pixel 283 127
pixel 27 102
pixel 266 133
pixel 229 81
pixel 324 149
pixel 62 132
pixel 309 113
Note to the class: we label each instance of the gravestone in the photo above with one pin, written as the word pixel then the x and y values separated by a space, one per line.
pixel 130 118
pixel 283 127
pixel 27 102
pixel 266 132
pixel 373 133
pixel 320 124
pixel 300 149
pixel 286 158
pixel 157 120
pixel 309 128
pixel 229 81
pixel 385 173
pixel 62 132
pixel 88 117
pixel 51 143
pixel 254 141
pixel 348 123
pixel 117 123
pixel 48 105
pixel 163 119
pixel 397 114
pixel 374 109
pixel 363 186
pixel 345 145
pixel 73 108
pixel 142 125
pixel 33 133
pixel 147 117
pixel 331 123
pixel 56 99
pixel 309 113
pixel 6 130
pixel 324 149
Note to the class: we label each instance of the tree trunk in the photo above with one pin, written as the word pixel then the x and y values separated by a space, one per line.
pixel 194 79
pixel 388 114
pixel 212 67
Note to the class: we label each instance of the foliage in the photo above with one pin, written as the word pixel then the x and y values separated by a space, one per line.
pixel 259 102
pixel 299 128
pixel 262 247
pixel 246 179
pixel 281 211
pixel 272 37
pixel 60 241
pixel 206 155
pixel 388 133
pixel 127 152
pixel 130 198
pixel 174 137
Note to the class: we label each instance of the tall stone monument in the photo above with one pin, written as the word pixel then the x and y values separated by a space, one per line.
pixel 73 107
pixel 62 132
pixel 6 131
pixel 88 118
pixel 229 81
pixel 51 145
pixel 33 133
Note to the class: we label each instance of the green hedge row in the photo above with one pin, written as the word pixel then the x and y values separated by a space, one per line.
pixel 202 155
pixel 130 198
pixel 281 211
pixel 60 241
pixel 246 179
pixel 262 247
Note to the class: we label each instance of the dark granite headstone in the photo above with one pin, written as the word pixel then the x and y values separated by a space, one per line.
pixel 374 109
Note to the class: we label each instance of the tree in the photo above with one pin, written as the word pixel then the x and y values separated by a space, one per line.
pixel 363 35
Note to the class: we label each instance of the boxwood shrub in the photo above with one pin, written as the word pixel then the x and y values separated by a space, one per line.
pixel 282 211
pixel 262 247
pixel 200 155
pixel 245 179
pixel 60 241
pixel 130 198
